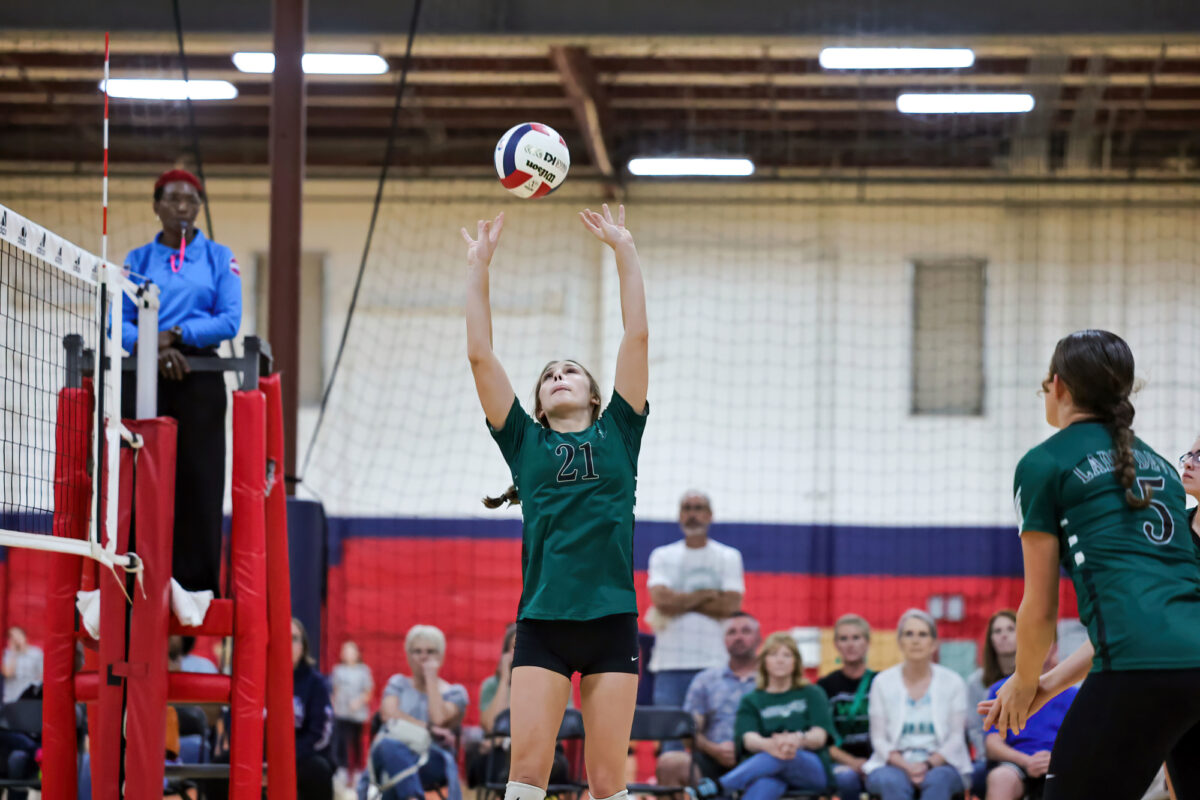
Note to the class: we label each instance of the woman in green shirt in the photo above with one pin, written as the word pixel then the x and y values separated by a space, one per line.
pixel 574 471
pixel 785 727
pixel 1097 502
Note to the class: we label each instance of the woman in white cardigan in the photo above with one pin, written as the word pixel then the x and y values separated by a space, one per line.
pixel 917 710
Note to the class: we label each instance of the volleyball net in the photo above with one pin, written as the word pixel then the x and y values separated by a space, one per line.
pixel 60 312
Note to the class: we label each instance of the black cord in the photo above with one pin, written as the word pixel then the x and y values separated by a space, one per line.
pixel 362 266
pixel 192 117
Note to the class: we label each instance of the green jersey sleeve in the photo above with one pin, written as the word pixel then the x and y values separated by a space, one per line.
pixel 512 434
pixel 1035 493
pixel 628 423
pixel 820 713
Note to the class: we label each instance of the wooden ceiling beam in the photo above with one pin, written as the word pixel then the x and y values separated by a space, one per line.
pixel 587 101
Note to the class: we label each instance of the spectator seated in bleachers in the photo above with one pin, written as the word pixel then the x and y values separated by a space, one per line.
pixel 353 685
pixel 782 732
pixel 484 765
pixel 192 662
pixel 314 722
pixel 412 706
pixel 695 583
pixel 713 699
pixel 22 664
pixel 1017 763
pixel 847 689
pixel 918 710
pixel 999 661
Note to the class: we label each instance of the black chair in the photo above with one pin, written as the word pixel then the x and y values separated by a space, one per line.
pixel 662 724
pixel 570 729
pixel 194 744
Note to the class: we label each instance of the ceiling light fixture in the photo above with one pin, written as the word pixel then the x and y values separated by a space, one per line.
pixel 316 63
pixel 952 103
pixel 896 57
pixel 691 167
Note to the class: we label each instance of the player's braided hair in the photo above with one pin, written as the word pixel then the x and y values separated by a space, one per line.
pixel 1097 368
pixel 510 495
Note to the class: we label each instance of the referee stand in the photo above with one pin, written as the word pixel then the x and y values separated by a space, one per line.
pixel 124 678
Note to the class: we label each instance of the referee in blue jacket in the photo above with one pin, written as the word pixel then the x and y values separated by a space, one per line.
pixel 200 288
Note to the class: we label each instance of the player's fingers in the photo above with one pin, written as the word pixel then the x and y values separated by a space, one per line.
pixel 479 229
pixel 607 214
pixel 466 236
pixel 990 716
pixel 621 215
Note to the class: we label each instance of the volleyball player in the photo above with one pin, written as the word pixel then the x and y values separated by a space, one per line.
pixel 1110 510
pixel 574 473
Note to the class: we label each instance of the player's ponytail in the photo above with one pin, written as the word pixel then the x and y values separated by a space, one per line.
pixel 1120 424
pixel 509 496
pixel 1097 368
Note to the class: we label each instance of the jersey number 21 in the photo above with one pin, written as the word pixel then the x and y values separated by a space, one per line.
pixel 569 473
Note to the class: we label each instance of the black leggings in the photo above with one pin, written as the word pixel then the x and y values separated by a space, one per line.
pixel 1120 729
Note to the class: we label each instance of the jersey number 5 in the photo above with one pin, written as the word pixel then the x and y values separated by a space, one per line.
pixel 567 453
pixel 1163 533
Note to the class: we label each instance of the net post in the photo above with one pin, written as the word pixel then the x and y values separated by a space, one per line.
pixel 251 348
pixel 147 351
pixel 73 346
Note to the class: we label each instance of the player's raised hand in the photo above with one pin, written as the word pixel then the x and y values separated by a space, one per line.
pixel 608 230
pixel 481 249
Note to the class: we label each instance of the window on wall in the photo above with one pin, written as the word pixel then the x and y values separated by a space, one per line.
pixel 312 317
pixel 947 336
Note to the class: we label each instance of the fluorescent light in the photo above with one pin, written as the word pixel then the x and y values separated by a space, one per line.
pixel 896 57
pixel 316 63
pixel 169 89
pixel 343 64
pixel 997 103
pixel 254 62
pixel 714 167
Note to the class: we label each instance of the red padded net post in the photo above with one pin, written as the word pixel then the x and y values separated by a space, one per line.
pixel 249 575
pixel 72 495
pixel 153 539
pixel 281 733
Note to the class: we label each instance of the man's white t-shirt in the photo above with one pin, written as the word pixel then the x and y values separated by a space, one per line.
pixel 693 640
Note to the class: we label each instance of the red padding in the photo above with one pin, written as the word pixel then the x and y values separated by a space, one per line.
pixel 105 717
pixel 249 573
pixel 281 730
pixel 72 495
pixel 218 621
pixel 153 537
pixel 182 687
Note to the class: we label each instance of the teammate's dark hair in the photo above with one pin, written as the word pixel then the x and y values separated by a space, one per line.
pixel 510 495
pixel 991 659
pixel 1097 368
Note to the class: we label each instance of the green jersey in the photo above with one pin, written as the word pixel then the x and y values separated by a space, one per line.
pixel 577 495
pixel 1135 572
pixel 794 711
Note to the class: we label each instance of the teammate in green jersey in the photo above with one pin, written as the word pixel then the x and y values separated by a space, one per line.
pixel 574 472
pixel 1110 510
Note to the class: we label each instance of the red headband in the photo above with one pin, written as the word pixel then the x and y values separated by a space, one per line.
pixel 178 175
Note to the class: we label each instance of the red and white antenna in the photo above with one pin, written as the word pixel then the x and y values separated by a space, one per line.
pixel 104 191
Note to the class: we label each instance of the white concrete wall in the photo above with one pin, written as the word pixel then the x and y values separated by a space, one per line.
pixel 780 321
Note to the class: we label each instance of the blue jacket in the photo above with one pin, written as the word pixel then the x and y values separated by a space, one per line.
pixel 202 295
pixel 313 711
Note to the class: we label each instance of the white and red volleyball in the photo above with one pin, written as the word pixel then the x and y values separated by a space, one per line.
pixel 532 160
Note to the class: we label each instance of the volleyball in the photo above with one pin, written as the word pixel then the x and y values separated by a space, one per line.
pixel 532 160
